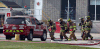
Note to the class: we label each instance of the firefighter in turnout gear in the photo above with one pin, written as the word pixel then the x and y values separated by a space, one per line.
pixel 63 26
pixel 82 28
pixel 88 26
pixel 1 21
pixel 52 26
pixel 72 30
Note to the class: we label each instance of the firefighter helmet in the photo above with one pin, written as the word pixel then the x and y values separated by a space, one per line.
pixel 61 19
pixel 82 18
pixel 88 16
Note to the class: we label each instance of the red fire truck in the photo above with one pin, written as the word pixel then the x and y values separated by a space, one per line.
pixel 28 27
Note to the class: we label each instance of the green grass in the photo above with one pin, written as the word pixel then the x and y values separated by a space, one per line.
pixel 31 41
pixel 20 45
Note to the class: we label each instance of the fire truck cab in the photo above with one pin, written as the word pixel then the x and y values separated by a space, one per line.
pixel 28 27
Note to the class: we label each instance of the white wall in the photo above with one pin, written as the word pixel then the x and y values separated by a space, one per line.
pixel 38 9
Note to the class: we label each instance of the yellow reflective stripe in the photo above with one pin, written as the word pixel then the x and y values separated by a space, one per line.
pixel 21 31
pixel 53 30
pixel 87 28
pixel 71 26
pixel 51 26
pixel 14 31
pixel 10 31
pixel 61 26
pixel 7 30
pixel 62 30
pixel 65 25
pixel 82 30
pixel 54 25
pixel 74 26
pixel 17 30
pixel 83 25
pixel 69 39
pixel 70 31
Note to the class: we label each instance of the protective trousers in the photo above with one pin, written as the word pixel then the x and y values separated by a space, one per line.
pixel 63 34
pixel 72 31
pixel 83 35
pixel 72 35
pixel 83 32
pixel 52 35
pixel 88 35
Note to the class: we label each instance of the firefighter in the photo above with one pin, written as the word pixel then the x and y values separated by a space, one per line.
pixel 53 28
pixel 82 28
pixel 88 26
pixel 63 26
pixel 2 21
pixel 72 29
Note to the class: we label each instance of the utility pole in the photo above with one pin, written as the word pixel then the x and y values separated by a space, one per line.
pixel 95 10
pixel 68 11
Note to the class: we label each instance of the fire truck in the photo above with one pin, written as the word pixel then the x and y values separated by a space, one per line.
pixel 27 26
pixel 7 12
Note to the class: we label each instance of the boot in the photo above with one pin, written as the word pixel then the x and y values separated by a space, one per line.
pixel 61 37
pixel 52 40
pixel 69 39
pixel 86 38
pixel 91 38
pixel 75 39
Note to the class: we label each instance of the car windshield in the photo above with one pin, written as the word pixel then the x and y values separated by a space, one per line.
pixel 16 21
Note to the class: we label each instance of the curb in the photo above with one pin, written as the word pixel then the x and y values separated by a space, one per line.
pixel 2 36
pixel 53 42
pixel 81 44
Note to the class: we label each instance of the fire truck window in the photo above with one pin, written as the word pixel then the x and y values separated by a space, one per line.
pixel 23 22
pixel 37 22
pixel 28 19
pixel 33 22
pixel 16 21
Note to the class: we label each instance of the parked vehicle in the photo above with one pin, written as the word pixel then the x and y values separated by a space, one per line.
pixel 27 26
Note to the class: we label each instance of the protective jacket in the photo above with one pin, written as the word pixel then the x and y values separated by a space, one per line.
pixel 63 26
pixel 88 25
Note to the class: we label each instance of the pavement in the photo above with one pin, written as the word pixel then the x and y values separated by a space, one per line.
pixel 84 43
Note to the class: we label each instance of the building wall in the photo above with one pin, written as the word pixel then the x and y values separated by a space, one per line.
pixel 31 4
pixel 52 8
pixel 81 9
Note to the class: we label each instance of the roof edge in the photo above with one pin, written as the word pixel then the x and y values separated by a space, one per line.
pixel 3 3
